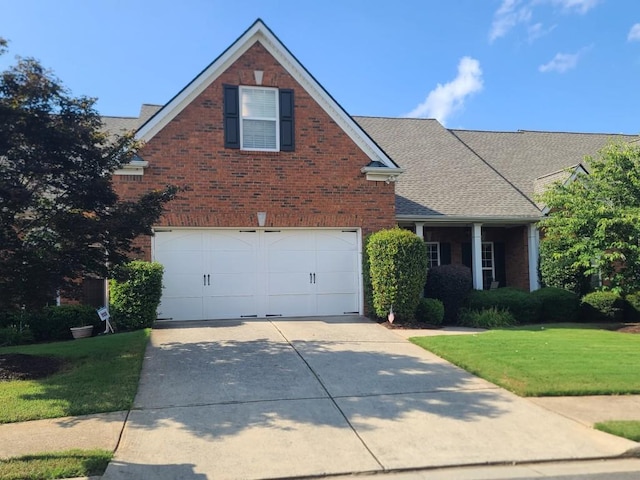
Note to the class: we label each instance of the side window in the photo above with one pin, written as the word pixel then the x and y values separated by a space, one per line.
pixel 433 254
pixel 259 118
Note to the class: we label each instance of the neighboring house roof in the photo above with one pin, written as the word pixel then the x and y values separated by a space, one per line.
pixel 525 156
pixel 119 125
pixel 443 177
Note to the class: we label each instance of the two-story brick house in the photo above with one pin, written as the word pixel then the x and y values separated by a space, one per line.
pixel 283 185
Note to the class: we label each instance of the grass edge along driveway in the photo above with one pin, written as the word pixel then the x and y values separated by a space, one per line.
pixel 100 374
pixel 550 360
pixel 546 360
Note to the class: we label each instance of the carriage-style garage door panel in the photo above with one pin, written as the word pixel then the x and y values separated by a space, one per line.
pixel 246 273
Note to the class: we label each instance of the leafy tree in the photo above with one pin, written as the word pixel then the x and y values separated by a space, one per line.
pixel 594 223
pixel 59 215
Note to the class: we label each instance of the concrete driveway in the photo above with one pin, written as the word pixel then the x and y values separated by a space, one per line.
pixel 263 399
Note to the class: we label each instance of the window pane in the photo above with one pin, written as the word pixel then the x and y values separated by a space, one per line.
pixel 259 134
pixel 259 103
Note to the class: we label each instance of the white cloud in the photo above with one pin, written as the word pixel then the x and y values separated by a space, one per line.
pixel 580 6
pixel 510 14
pixel 537 30
pixel 634 33
pixel 562 62
pixel 445 99
pixel 514 12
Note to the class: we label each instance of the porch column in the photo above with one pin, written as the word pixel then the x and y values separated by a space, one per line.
pixel 476 255
pixel 534 253
pixel 420 229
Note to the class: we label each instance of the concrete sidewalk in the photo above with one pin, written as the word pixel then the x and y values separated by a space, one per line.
pixel 309 397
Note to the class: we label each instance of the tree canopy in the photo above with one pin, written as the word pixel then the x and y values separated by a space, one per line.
pixel 593 227
pixel 60 217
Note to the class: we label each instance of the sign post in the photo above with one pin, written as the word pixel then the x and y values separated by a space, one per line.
pixel 103 313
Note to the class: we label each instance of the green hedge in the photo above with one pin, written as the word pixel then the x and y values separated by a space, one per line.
pixel 449 284
pixel 604 306
pixel 486 318
pixel 557 305
pixel 431 311
pixel 53 323
pixel 523 306
pixel 135 293
pixel 397 264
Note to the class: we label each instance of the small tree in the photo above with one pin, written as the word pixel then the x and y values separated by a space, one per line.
pixel 594 222
pixel 59 215
pixel 397 268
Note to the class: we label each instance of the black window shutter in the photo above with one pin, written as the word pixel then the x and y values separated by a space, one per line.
pixel 287 127
pixel 500 263
pixel 231 117
pixel 466 255
pixel 445 254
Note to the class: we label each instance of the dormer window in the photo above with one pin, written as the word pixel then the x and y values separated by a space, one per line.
pixel 258 118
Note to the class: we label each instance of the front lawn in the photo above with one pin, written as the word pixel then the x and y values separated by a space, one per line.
pixel 623 428
pixel 99 374
pixel 69 464
pixel 547 360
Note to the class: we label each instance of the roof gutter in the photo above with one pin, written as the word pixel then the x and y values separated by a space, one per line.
pixel 464 219
pixel 382 174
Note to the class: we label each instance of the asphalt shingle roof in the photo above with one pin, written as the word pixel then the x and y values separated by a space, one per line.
pixel 442 175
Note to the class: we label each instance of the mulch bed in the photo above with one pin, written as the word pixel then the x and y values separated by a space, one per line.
pixel 18 366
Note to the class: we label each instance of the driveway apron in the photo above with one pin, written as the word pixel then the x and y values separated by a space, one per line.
pixel 264 399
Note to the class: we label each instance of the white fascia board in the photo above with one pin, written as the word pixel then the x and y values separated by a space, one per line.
pixel 134 167
pixel 382 174
pixel 260 33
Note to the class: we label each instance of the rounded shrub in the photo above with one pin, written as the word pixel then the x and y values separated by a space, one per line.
pixel 632 307
pixel 486 318
pixel 431 311
pixel 557 305
pixel 524 307
pixel 449 284
pixel 602 306
pixel 397 263
pixel 135 294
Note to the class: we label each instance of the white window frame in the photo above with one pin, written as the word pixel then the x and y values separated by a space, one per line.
pixel 492 269
pixel 276 120
pixel 438 260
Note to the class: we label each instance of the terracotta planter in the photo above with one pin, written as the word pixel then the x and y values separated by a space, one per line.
pixel 82 332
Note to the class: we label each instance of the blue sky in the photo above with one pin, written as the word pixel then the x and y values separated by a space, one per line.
pixel 559 65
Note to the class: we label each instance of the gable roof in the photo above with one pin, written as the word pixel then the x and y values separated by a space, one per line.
pixel 259 32
pixel 443 177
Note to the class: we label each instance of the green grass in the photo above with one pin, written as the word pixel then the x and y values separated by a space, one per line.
pixel 623 428
pixel 101 375
pixel 547 360
pixel 68 464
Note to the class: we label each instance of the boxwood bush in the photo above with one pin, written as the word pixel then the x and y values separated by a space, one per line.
pixel 557 305
pixel 523 306
pixel 602 306
pixel 53 323
pixel 135 293
pixel 397 266
pixel 486 318
pixel 449 284
pixel 632 307
pixel 430 310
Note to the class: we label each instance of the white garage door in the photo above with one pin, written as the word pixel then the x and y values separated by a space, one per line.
pixel 213 274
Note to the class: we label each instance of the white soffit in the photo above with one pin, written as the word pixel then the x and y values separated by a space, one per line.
pixel 259 32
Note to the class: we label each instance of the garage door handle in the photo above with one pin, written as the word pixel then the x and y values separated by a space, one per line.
pixel 314 278
pixel 204 280
pixel 208 279
pixel 311 278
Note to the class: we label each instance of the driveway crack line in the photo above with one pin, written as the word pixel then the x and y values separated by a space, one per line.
pixel 313 372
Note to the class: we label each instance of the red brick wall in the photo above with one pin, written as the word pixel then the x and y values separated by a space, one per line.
pixel 317 185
